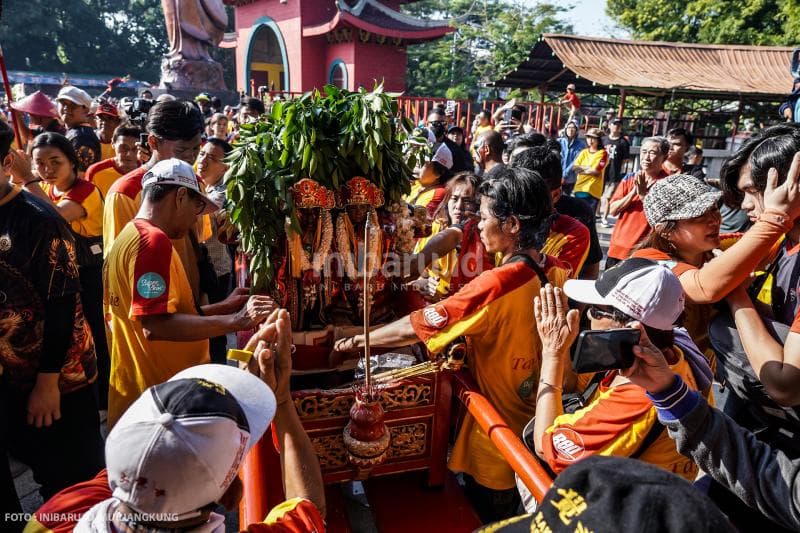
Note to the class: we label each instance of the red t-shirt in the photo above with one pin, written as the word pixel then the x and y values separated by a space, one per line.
pixel 62 512
pixel 632 225
pixel 573 99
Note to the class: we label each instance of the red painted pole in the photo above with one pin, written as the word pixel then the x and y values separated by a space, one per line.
pixel 10 98
pixel 508 443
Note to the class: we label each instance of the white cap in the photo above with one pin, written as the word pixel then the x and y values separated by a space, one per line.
pixel 180 445
pixel 75 95
pixel 443 155
pixel 175 171
pixel 640 288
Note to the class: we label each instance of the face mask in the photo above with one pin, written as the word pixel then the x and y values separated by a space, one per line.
pixel 437 128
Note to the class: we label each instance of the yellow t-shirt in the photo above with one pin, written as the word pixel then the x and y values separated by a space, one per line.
pixel 495 313
pixel 122 204
pixel 107 151
pixel 586 182
pixel 143 276
pixel 103 175
pixel 86 194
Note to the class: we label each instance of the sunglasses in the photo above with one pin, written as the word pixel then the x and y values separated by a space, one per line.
pixel 598 312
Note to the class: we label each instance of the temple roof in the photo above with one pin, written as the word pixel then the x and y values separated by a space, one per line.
pixel 597 65
pixel 377 18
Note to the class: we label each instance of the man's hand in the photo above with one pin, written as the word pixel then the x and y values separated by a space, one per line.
pixel 558 325
pixel 21 169
pixel 254 311
pixel 427 286
pixel 44 403
pixel 650 369
pixel 272 354
pixel 784 197
pixel 641 184
pixel 234 302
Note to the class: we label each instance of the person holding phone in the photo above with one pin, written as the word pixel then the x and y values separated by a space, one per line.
pixel 618 418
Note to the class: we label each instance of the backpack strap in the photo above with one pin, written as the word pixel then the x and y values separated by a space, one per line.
pixel 525 258
pixel 655 432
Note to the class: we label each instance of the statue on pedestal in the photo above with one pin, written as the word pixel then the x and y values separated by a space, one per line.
pixel 193 27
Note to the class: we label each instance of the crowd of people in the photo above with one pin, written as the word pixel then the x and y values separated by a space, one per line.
pixel 118 290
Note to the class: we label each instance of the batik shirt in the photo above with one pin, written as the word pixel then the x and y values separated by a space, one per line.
pixel 37 264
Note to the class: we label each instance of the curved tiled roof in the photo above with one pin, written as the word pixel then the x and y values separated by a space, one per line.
pixel 596 64
pixel 374 17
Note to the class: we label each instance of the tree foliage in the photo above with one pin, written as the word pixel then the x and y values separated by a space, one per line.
pixel 85 36
pixel 115 37
pixel 758 22
pixel 491 38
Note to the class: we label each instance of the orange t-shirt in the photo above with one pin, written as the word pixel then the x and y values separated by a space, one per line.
pixel 87 195
pixel 122 204
pixel 632 225
pixel 568 242
pixel 103 175
pixel 490 311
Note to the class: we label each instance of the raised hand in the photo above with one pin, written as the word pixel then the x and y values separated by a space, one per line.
pixel 557 324
pixel 650 369
pixel 786 196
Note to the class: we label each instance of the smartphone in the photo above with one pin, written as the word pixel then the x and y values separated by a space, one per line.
pixel 609 349
pixel 143 140
pixel 508 115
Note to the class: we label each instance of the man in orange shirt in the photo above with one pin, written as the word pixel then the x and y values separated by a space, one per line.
pixel 108 120
pixel 626 204
pixel 174 129
pixel 159 329
pixel 122 161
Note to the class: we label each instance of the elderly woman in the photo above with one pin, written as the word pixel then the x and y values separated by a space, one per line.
pixel 490 311
pixel 618 418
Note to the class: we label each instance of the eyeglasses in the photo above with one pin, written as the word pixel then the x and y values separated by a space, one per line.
pixel 197 198
pixel 437 123
pixel 597 312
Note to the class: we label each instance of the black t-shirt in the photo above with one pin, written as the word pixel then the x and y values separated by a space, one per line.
pixel 37 265
pixel 86 144
pixel 577 209
pixel 618 150
pixel 460 162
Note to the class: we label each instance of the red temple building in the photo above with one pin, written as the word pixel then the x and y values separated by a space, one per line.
pixel 298 45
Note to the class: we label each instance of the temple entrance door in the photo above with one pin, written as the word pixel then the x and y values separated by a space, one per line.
pixel 266 59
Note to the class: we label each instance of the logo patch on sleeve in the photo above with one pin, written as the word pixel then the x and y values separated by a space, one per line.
pixel 435 316
pixel 568 444
pixel 151 285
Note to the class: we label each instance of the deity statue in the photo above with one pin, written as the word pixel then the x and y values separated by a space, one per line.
pixel 193 27
pixel 360 200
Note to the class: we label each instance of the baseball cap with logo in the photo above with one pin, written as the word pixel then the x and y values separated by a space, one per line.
pixel 640 288
pixel 601 494
pixel 443 155
pixel 75 95
pixel 107 108
pixel 179 446
pixel 177 172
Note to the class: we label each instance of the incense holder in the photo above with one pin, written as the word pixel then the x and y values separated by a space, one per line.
pixel 366 436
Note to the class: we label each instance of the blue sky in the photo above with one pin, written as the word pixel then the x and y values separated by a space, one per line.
pixel 588 17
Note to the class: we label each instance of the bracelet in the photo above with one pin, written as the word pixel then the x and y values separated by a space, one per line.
pixel 555 387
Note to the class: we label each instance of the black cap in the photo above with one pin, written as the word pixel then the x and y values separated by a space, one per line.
pixel 611 494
